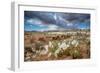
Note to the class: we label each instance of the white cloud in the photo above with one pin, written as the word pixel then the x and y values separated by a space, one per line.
pixel 70 24
pixel 52 27
pixel 35 22
pixel 42 25
pixel 66 22
pixel 49 28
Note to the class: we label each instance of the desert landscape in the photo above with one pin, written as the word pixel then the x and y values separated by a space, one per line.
pixel 56 45
pixel 56 36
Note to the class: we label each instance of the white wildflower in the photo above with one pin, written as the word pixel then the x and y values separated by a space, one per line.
pixel 63 46
pixel 59 44
pixel 45 50
pixel 75 43
pixel 49 54
pixel 50 44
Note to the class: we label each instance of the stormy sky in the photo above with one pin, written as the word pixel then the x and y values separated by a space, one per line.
pixel 48 21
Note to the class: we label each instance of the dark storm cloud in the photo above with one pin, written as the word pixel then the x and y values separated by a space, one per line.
pixel 61 19
pixel 45 16
pixel 75 16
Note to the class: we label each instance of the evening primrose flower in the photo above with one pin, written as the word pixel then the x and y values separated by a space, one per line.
pixel 50 44
pixel 45 50
pixel 64 46
pixel 75 43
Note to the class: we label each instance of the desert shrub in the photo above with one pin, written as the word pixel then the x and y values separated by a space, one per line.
pixel 55 46
pixel 66 52
pixel 38 45
pixel 75 53
pixel 60 54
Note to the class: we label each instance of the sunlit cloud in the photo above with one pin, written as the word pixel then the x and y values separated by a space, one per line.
pixel 53 27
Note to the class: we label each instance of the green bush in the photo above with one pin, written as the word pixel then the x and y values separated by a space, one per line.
pixel 75 53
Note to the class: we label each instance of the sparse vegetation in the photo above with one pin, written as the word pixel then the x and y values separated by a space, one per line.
pixel 73 44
